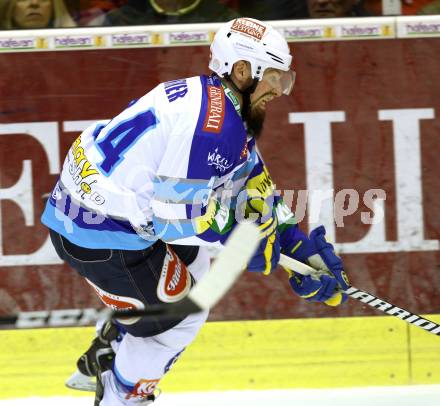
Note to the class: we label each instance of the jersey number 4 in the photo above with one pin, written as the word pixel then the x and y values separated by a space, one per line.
pixel 122 137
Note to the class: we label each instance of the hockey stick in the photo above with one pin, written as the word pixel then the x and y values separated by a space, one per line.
pixel 224 271
pixel 368 298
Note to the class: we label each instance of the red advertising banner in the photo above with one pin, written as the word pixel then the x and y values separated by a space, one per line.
pixel 355 148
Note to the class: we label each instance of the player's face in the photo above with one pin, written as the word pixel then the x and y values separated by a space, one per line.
pixel 268 88
pixel 329 8
pixel 32 13
pixel 273 84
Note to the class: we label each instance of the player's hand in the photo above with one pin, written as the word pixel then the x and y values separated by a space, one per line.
pixel 316 288
pixel 330 281
pixel 267 256
pixel 326 260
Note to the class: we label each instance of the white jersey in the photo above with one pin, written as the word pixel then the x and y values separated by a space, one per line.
pixel 152 171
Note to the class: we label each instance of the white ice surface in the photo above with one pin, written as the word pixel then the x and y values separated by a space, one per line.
pixel 420 395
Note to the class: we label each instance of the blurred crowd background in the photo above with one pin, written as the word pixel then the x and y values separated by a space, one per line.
pixel 32 14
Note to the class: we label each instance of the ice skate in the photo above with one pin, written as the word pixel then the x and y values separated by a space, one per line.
pixel 99 356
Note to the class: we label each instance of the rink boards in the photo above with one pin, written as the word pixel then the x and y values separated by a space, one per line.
pixel 245 355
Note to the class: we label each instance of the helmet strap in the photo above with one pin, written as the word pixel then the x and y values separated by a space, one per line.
pixel 252 87
pixel 230 81
pixel 249 90
pixel 252 129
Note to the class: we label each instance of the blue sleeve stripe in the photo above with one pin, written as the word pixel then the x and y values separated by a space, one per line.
pixel 87 219
pixel 247 169
pixel 179 190
pixel 243 173
pixel 161 221
pixel 170 230
pixel 257 169
pixel 129 386
pixel 88 238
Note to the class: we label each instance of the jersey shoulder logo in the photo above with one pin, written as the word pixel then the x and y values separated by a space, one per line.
pixel 216 159
pixel 215 112
pixel 175 280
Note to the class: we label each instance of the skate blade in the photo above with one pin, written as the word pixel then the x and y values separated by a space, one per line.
pixel 79 381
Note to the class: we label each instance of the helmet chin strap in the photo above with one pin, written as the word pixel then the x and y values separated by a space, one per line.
pixel 246 92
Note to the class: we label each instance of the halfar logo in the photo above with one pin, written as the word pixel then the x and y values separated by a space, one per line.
pixel 131 39
pixel 361 31
pixel 15 43
pixel 218 161
pixel 299 32
pixel 67 41
pixel 185 37
pixel 422 28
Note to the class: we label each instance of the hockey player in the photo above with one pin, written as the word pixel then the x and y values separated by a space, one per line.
pixel 140 198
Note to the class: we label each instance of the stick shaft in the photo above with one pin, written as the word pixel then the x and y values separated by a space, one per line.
pixel 369 299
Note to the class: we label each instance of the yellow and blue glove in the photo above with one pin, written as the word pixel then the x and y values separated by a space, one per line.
pixel 267 256
pixel 313 288
pixel 330 281
pixel 259 207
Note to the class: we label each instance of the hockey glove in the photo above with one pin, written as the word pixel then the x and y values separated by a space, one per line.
pixel 267 256
pixel 313 288
pixel 258 205
pixel 330 281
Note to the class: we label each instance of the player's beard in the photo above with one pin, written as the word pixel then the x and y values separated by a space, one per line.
pixel 254 118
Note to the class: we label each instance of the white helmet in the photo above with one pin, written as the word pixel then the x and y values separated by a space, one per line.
pixel 251 40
